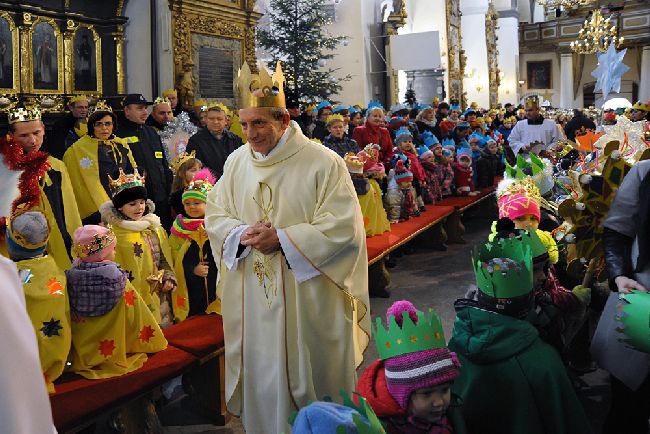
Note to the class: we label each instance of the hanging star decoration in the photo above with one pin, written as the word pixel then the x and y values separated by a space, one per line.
pixel 146 333
pixel 51 328
pixel 55 288
pixel 610 70
pixel 106 347
pixel 137 249
pixel 129 297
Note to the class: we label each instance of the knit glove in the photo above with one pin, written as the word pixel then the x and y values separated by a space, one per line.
pixel 583 294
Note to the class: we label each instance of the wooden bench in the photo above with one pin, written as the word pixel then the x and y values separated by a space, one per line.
pixel 461 204
pixel 195 348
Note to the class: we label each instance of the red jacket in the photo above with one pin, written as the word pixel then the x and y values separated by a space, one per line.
pixel 463 177
pixel 416 167
pixel 368 134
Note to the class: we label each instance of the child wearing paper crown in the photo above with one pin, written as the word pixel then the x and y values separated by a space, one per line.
pixel 507 369
pixel 44 286
pixel 409 387
pixel 194 265
pixel 404 143
pixel 366 167
pixel 404 178
pixel 112 327
pixel 463 174
pixel 337 140
pixel 142 245
pixel 443 169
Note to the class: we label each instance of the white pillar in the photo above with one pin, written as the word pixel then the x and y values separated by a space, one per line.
pixel 137 61
pixel 165 50
pixel 508 45
pixel 566 80
pixel 644 74
pixel 473 34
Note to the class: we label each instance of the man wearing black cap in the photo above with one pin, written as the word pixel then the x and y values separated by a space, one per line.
pixel 442 112
pixel 148 153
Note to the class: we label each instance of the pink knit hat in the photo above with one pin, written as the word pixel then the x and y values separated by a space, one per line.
pixel 408 372
pixel 93 243
pixel 517 205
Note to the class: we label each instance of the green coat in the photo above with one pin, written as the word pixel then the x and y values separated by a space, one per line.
pixel 511 382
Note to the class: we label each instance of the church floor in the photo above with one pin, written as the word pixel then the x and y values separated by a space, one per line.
pixel 433 279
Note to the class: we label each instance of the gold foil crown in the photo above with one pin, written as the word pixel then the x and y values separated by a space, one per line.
pixel 161 100
pixel 181 159
pixel 532 102
pixel 23 114
pixel 96 245
pixel 260 90
pixel 125 180
pixel 101 106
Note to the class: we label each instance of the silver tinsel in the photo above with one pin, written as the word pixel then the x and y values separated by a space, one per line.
pixel 176 135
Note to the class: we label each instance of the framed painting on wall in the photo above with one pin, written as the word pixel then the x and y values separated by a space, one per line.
pixel 47 61
pixel 87 61
pixel 539 74
pixel 9 52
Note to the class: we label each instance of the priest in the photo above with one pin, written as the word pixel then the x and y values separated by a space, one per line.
pixel 285 225
pixel 533 134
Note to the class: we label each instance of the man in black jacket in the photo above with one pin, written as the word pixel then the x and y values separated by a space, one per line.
pixel 214 143
pixel 69 128
pixel 578 122
pixel 149 154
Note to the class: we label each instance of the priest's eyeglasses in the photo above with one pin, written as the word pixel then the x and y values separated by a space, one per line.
pixel 106 124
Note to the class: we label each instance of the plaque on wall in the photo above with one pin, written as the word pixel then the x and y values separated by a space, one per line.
pixel 216 72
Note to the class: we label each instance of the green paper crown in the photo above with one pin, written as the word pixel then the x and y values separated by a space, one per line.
pixel 496 283
pixel 364 410
pixel 427 334
pixel 536 165
pixel 537 246
pixel 634 313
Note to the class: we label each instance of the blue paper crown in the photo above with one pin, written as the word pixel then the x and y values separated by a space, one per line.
pixel 429 139
pixel 374 104
pixel 323 104
pixel 403 132
pixel 340 108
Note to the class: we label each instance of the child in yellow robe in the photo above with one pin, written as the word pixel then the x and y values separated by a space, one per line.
pixel 112 328
pixel 142 244
pixel 45 295
pixel 194 264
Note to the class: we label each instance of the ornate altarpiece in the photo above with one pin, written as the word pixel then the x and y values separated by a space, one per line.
pixel 456 55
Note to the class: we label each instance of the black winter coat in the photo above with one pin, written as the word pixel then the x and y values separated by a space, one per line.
pixel 211 151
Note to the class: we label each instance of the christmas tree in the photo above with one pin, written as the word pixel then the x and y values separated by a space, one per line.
pixel 411 99
pixel 297 37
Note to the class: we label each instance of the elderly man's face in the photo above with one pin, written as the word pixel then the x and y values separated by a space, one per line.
pixel 216 121
pixel 262 130
pixel 29 135
pixel 79 109
pixel 173 99
pixel 162 113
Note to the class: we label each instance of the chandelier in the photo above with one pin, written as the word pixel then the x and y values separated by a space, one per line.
pixel 596 35
pixel 564 5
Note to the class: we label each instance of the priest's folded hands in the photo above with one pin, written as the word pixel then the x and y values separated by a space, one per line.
pixel 261 236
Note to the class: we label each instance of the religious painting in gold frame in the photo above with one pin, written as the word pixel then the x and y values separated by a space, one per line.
pixel 9 55
pixel 86 68
pixel 42 56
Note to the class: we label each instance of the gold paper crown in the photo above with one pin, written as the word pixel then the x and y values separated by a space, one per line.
pixel 310 107
pixel 23 114
pixel 161 100
pixel 78 98
pixel 354 163
pixel 97 244
pixel 333 118
pixel 260 90
pixel 510 119
pixel 125 181
pixel 168 92
pixel 641 106
pixel 200 102
pixel 222 106
pixel 525 186
pixel 181 159
pixel 101 106
pixel 532 102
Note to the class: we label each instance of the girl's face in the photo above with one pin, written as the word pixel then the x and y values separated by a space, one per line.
pixel 507 125
pixel 437 151
pixel 464 161
pixel 453 115
pixel 376 117
pixel 526 222
pixel 430 159
pixel 474 146
pixel 450 159
pixel 406 145
pixel 356 119
pixel 194 208
pixel 492 147
pixel 134 210
pixel 191 172
pixel 430 403
pixel 337 129
pixel 429 115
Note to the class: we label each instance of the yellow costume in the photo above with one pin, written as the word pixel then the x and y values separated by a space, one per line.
pixel 83 164
pixel 46 297
pixel 135 255
pixel 372 208
pixel 292 334
pixel 116 343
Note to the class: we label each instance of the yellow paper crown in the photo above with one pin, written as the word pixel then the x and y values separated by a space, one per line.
pixel 310 108
pixel 334 118
pixel 168 92
pixel 181 159
pixel 510 119
pixel 101 106
pixel 78 98
pixel 354 163
pixel 200 103
pixel 641 106
pixel 260 90
pixel 97 244
pixel 125 180
pixel 23 114
pixel 161 100
pixel 222 106
pixel 525 186
pixel 532 102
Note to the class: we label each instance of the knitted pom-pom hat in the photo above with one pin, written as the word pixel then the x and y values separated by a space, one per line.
pixel 411 371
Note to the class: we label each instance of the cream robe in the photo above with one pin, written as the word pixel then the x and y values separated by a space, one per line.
pixel 523 134
pixel 289 342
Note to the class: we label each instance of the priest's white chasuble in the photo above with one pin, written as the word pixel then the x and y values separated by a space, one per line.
pixel 296 321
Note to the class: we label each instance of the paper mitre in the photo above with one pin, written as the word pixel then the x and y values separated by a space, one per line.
pixel 260 90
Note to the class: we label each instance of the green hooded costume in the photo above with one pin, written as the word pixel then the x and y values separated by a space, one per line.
pixel 511 382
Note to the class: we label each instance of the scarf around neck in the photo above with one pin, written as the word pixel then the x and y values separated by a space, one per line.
pixel 184 226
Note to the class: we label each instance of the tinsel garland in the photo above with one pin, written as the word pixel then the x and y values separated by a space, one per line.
pixel 34 166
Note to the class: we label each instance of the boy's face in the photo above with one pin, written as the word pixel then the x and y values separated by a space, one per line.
pixel 492 147
pixel 437 151
pixel 194 208
pixel 454 114
pixel 430 403
pixel 405 184
pixel 539 275
pixel 474 146
pixel 337 129
pixel 134 210
pixel 507 125
pixel 526 222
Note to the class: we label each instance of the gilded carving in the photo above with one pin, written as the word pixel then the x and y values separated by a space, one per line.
pixel 456 58
pixel 491 19
pixel 395 21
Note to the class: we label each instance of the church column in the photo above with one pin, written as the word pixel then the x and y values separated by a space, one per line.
pixel 644 84
pixel 508 44
pixel 476 81
pixel 566 80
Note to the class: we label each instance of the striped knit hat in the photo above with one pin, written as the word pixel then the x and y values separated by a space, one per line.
pixel 405 373
pixel 200 186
